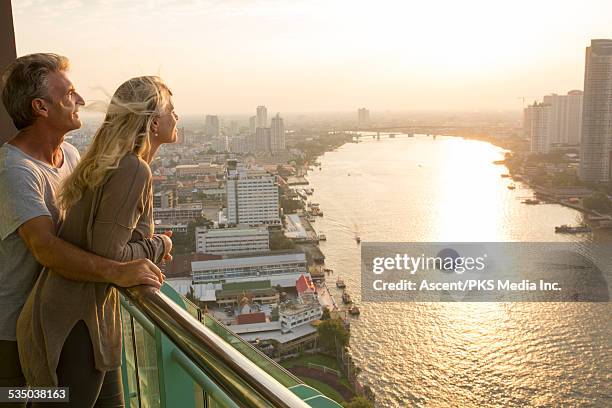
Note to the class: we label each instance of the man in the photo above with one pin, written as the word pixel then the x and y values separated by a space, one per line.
pixel 44 106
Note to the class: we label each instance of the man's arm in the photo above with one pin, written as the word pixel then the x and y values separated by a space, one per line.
pixel 74 263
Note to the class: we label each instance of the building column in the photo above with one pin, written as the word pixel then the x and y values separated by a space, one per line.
pixel 8 54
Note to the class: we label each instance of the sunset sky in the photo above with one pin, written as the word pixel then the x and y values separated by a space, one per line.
pixel 307 56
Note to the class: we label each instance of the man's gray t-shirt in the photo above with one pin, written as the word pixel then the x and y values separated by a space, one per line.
pixel 27 190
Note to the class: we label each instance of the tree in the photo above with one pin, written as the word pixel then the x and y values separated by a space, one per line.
pixel 358 402
pixel 186 243
pixel 278 240
pixel 598 202
pixel 290 206
pixel 332 332
pixel 325 315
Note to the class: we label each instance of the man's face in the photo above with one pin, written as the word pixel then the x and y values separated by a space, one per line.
pixel 64 103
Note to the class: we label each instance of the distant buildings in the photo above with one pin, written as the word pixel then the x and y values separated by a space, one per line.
pixel 194 170
pixel 554 122
pixel 363 117
pixel 596 143
pixel 232 241
pixel 252 196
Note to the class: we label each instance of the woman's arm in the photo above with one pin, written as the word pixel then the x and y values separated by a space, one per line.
pixel 121 204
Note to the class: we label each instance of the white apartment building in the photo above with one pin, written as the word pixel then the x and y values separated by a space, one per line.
pixel 252 197
pixel 557 121
pixel 232 241
pixel 281 269
pixel 537 126
pixel 565 118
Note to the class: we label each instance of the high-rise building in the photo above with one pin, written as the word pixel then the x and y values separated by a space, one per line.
pixel 252 125
pixel 262 116
pixel 537 125
pixel 211 126
pixel 363 117
pixel 252 196
pixel 565 118
pixel 596 141
pixel 239 144
pixel 232 128
pixel 277 134
pixel 574 116
pixel 261 140
pixel 555 122
pixel 220 144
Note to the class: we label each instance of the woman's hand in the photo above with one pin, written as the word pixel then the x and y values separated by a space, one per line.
pixel 167 245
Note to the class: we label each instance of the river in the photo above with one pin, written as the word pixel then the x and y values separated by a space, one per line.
pixel 456 354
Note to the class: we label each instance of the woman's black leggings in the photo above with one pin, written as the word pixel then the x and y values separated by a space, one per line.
pixel 77 370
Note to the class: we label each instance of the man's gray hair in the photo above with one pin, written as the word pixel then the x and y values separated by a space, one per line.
pixel 26 79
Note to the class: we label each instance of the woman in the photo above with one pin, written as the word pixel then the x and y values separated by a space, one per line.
pixel 69 332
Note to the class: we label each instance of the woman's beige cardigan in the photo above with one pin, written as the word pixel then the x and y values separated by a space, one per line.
pixel 113 221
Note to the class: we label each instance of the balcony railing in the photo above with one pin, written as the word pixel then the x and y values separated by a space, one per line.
pixel 173 356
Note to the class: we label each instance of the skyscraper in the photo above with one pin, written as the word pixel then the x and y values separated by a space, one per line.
pixel 211 126
pixel 262 116
pixel 277 134
pixel 596 141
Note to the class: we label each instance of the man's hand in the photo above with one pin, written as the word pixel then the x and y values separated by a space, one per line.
pixel 138 272
pixel 167 245
pixel 73 263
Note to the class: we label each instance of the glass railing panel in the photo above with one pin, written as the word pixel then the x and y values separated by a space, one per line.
pixel 249 351
pixel 130 378
pixel 146 361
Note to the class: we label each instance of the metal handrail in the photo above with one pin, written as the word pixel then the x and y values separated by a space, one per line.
pixel 235 374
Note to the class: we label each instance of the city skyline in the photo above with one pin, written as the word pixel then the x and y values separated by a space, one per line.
pixel 303 57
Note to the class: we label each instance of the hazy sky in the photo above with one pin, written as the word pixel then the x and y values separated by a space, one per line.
pixel 229 56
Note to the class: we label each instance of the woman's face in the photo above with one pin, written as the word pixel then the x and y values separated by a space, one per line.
pixel 166 125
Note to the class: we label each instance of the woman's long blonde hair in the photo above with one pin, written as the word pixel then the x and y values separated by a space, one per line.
pixel 126 128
